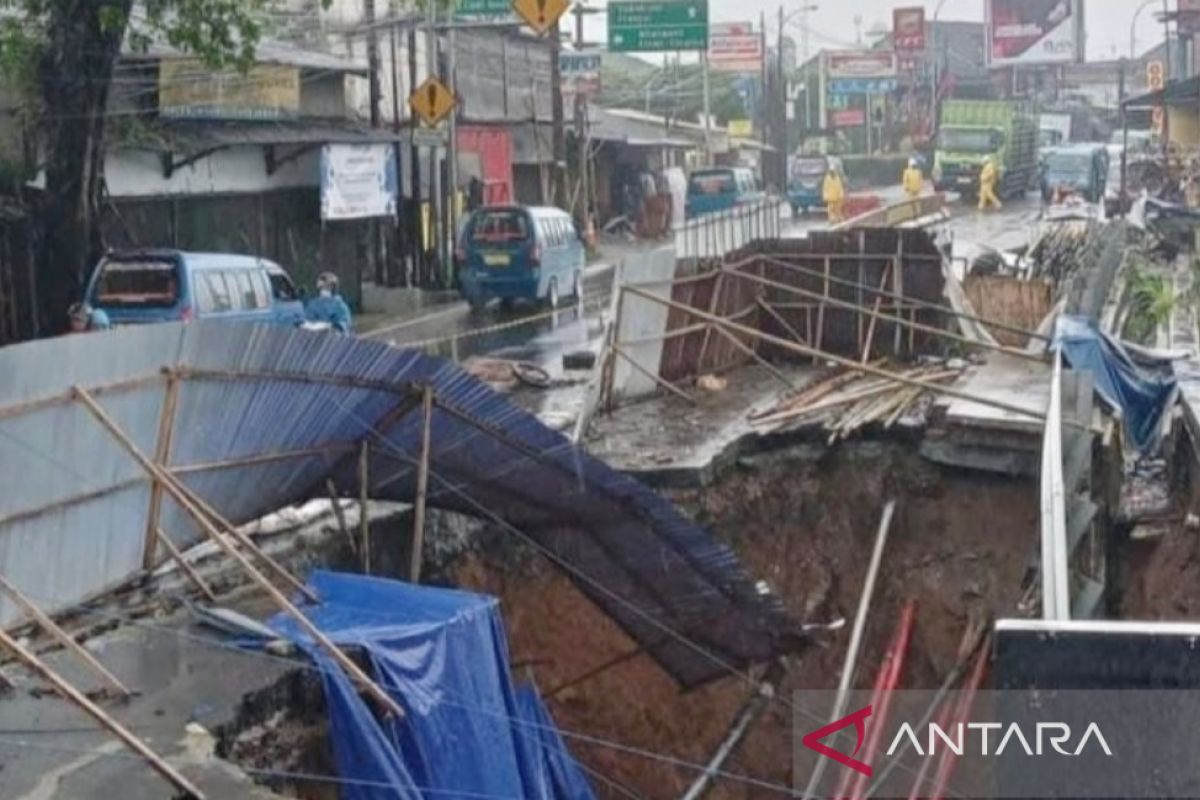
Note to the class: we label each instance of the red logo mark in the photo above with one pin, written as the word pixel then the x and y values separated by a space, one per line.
pixel 813 740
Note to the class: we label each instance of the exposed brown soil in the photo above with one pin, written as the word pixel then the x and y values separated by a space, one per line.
pixel 960 544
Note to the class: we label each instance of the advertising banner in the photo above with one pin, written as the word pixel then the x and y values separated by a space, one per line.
pixel 189 89
pixel 734 47
pixel 860 64
pixel 580 71
pixel 358 181
pixel 908 29
pixel 1034 31
pixel 849 118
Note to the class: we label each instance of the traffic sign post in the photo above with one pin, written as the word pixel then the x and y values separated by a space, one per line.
pixel 541 15
pixel 432 101
pixel 654 25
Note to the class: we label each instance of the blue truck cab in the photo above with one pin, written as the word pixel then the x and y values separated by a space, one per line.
pixel 137 287
pixel 720 189
pixel 520 253
pixel 806 181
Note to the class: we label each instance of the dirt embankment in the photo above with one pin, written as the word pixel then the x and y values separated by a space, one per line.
pixel 961 543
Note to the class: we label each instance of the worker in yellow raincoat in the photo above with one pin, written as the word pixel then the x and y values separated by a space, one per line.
pixel 987 186
pixel 913 180
pixel 833 192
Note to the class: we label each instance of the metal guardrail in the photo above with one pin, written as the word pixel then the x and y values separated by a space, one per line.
pixel 718 234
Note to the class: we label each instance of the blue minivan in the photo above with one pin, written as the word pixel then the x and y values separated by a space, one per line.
pixel 144 286
pixel 520 253
pixel 720 189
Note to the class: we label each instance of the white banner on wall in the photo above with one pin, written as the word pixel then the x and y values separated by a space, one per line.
pixel 358 181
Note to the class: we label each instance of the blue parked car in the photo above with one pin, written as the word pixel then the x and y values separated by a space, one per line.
pixel 520 253
pixel 145 286
pixel 720 189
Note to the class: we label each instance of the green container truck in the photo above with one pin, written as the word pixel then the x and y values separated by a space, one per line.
pixel 972 130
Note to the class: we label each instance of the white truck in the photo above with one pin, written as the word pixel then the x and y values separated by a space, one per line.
pixel 1053 130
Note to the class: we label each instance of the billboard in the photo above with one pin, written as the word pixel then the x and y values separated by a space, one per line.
pixel 1034 31
pixel 189 89
pixel 908 29
pixel 581 71
pixel 734 47
pixel 358 181
pixel 860 64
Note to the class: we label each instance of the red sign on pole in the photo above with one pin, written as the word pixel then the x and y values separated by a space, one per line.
pixel 908 29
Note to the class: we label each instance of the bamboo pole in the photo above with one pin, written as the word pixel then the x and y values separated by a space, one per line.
pixel 242 539
pixel 418 537
pixel 335 503
pixel 856 634
pixel 62 637
pixel 364 487
pixel 866 351
pixel 902 299
pixel 866 369
pixel 179 493
pixel 187 568
pixel 821 309
pixel 162 455
pixel 783 323
pixel 783 287
pixel 95 712
pixel 663 382
pixel 762 362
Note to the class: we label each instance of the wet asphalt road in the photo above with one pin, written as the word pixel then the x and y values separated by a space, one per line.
pixel 534 334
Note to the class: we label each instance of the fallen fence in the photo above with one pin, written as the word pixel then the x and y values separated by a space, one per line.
pixel 711 236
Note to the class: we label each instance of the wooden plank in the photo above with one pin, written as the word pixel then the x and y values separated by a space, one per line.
pixel 62 637
pixel 866 351
pixel 418 537
pixel 762 362
pixel 179 493
pixel 335 503
pixel 821 310
pixel 156 762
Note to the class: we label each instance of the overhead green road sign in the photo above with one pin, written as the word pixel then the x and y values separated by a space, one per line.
pixel 483 8
pixel 647 26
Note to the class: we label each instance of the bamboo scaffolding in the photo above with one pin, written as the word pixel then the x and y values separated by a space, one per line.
pixel 185 567
pixel 418 537
pixel 180 494
pixel 866 369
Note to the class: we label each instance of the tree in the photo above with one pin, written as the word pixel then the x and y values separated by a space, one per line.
pixel 63 54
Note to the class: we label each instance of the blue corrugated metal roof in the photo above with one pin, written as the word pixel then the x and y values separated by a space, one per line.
pixel 264 415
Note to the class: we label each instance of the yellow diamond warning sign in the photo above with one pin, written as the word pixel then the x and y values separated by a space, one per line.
pixel 432 101
pixel 541 15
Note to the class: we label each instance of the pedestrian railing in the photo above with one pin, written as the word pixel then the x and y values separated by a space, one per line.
pixel 715 235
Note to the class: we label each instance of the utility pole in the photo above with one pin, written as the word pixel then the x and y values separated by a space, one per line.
pixel 415 229
pixel 560 190
pixel 435 172
pixel 451 160
pixel 707 109
pixel 1166 116
pixel 376 249
pixel 583 132
pixel 401 234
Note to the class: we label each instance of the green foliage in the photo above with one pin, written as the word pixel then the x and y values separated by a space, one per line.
pixel 1150 300
pixel 675 91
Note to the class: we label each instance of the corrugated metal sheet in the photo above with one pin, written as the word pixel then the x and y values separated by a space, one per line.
pixel 74 516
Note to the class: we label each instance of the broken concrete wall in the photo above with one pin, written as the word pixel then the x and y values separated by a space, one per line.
pixel 641 322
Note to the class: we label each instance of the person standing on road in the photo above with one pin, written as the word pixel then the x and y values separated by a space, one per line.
pixel 84 318
pixel 328 306
pixel 913 180
pixel 833 192
pixel 987 186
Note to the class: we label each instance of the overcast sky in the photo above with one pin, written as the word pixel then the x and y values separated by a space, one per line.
pixel 1108 22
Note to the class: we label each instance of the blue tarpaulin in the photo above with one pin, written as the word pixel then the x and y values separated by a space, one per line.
pixel 1141 390
pixel 442 655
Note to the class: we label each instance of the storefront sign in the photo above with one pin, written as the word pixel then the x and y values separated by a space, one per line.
pixel 580 71
pixel 358 181
pixel 862 85
pixel 189 89
pixel 740 128
pixel 850 118
pixel 735 47
pixel 908 29
pixel 860 64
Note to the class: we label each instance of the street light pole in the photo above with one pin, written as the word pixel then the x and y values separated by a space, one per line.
pixel 936 73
